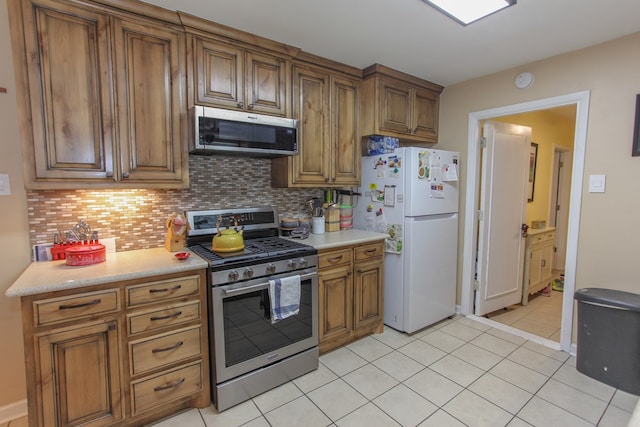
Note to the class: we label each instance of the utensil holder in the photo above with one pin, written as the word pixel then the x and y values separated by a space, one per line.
pixel 317 225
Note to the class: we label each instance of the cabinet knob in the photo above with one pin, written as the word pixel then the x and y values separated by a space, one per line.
pixel 250 106
pixel 109 174
pixel 125 175
pixel 240 104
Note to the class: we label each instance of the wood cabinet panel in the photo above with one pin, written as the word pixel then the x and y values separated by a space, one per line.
pixel 425 115
pixel 350 294
pixel 67 130
pixel 161 350
pixel 326 106
pixel 236 78
pixel 173 315
pixel 163 290
pixel 102 100
pixel 311 108
pixel 148 57
pixel 335 300
pixel 220 74
pixel 149 393
pixel 538 265
pixel 75 307
pixel 399 105
pixel 368 291
pixel 82 367
pixel 345 135
pixel 72 391
pixel 267 83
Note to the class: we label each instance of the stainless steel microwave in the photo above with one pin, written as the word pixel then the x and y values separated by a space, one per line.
pixel 241 133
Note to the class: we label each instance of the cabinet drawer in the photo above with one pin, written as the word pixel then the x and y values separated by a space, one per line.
pixel 334 258
pixel 77 306
pixel 162 290
pixel 160 318
pixel 152 392
pixel 368 252
pixel 161 350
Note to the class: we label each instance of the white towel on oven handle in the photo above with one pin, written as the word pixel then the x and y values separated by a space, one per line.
pixel 285 297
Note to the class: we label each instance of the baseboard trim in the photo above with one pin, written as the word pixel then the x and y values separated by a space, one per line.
pixel 12 411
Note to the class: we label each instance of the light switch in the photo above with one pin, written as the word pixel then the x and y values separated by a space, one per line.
pixel 596 183
pixel 5 185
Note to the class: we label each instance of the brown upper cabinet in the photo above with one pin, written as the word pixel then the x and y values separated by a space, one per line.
pixel 239 79
pixel 399 105
pixel 236 70
pixel 101 96
pixel 326 104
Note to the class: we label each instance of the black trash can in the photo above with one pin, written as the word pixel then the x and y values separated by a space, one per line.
pixel 609 337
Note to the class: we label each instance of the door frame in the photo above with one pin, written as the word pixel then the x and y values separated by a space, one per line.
pixel 561 231
pixel 581 99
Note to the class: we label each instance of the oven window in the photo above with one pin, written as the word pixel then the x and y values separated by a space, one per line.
pixel 248 331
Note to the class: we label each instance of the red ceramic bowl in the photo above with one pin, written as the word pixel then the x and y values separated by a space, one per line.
pixel 182 255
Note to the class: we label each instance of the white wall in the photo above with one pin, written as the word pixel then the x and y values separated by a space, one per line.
pixel 609 231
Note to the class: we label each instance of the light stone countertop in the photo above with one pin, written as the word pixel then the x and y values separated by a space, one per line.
pixel 47 276
pixel 336 239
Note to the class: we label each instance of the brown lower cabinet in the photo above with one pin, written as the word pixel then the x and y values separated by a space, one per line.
pixel 124 353
pixel 351 289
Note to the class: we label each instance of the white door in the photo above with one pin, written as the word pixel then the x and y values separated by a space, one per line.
pixel 503 203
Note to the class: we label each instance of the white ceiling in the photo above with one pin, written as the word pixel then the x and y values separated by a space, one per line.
pixel 411 36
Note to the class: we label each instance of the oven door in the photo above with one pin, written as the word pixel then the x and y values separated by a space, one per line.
pixel 244 339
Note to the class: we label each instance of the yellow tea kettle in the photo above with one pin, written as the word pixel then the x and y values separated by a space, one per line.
pixel 228 240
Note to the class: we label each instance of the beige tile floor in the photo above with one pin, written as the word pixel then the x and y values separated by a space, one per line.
pixel 456 373
pixel 542 316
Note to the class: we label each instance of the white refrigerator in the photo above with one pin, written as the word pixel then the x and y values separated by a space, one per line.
pixel 412 194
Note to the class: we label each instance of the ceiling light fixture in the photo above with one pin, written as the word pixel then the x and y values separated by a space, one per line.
pixel 468 11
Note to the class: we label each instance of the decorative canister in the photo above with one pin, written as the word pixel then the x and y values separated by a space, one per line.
pixel 85 254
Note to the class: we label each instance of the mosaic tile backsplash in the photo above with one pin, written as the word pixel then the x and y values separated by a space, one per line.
pixel 136 218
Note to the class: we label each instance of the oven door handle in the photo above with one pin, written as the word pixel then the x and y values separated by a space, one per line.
pixel 245 289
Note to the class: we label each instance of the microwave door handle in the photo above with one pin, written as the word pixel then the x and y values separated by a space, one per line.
pixel 231 292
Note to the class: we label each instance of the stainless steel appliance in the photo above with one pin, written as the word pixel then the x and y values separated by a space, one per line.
pixel 239 133
pixel 250 354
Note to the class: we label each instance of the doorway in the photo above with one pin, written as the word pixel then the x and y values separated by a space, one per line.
pixel 581 100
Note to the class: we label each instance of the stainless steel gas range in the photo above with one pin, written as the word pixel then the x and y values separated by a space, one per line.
pixel 250 353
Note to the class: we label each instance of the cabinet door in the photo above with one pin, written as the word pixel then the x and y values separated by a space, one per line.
pixel 368 293
pixel 70 104
pixel 395 107
pixel 150 67
pixel 344 132
pixel 535 266
pixel 335 301
pixel 310 107
pixel 79 376
pixel 266 84
pixel 546 261
pixel 220 74
pixel 425 115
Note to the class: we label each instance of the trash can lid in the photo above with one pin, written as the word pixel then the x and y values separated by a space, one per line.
pixel 610 297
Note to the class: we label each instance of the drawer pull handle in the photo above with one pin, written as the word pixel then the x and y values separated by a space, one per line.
pixel 335 259
pixel 371 251
pixel 160 350
pixel 175 288
pixel 170 385
pixel 84 304
pixel 169 316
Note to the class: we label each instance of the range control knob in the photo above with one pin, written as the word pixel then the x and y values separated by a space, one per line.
pixel 291 264
pixel 248 273
pixel 303 262
pixel 271 268
pixel 233 275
